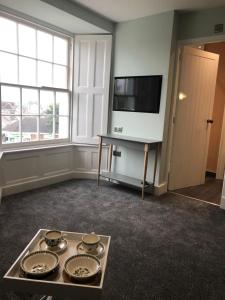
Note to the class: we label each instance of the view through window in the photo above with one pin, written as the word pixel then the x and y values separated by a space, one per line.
pixel 34 68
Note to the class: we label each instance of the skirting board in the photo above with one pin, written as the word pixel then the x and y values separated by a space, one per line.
pixel 222 204
pixel 85 175
pixel 33 184
pixel 160 189
pixel 60 177
pixel 29 185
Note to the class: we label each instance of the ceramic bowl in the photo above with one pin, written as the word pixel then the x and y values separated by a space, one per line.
pixel 39 263
pixel 53 238
pixel 90 241
pixel 82 266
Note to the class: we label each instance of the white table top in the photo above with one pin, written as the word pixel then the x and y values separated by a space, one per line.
pixel 130 138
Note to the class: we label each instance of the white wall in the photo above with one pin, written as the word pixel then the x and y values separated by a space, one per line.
pixel 200 23
pixel 143 47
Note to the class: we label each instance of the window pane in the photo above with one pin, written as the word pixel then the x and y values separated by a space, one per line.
pixel 29 129
pixel 46 127
pixel 10 100
pixel 8 68
pixel 61 127
pixel 27 71
pixel 62 104
pixel 47 102
pixel 29 101
pixel 10 129
pixel 60 51
pixel 27 40
pixel 8 34
pixel 44 74
pixel 60 77
pixel 44 46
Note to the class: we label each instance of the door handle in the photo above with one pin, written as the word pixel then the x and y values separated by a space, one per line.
pixel 210 121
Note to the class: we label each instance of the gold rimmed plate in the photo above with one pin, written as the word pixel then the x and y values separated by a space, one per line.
pixel 98 252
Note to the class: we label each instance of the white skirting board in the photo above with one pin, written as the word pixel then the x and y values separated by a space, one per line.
pixel 33 184
pixel 222 204
pixel 34 168
pixel 37 183
pixel 160 189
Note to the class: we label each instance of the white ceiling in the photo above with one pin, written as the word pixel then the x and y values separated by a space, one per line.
pixel 124 10
pixel 51 15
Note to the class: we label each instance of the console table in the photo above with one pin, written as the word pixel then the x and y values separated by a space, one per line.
pixel 129 142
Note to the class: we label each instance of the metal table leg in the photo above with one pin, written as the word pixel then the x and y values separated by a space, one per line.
pixel 46 298
pixel 146 150
pixel 99 159
pixel 110 158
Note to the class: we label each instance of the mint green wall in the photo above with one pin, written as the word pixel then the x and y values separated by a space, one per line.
pixel 142 47
pixel 200 23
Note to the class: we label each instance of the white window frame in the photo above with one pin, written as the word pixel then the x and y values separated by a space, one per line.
pixel 19 20
pixel 38 115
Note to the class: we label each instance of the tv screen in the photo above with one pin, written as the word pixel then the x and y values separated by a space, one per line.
pixel 137 94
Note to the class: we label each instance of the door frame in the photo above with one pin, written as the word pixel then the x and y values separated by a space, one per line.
pixel 174 102
pixel 219 170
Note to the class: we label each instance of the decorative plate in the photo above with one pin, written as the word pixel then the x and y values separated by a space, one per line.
pixel 99 252
pixel 82 266
pixel 39 263
pixel 59 248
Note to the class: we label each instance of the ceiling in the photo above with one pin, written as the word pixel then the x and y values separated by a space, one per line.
pixel 51 15
pixel 124 10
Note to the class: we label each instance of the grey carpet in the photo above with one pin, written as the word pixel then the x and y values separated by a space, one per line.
pixel 169 247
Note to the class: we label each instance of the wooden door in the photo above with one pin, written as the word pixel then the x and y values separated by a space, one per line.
pixel 197 82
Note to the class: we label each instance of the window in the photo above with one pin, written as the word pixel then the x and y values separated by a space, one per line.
pixel 32 114
pixel 34 84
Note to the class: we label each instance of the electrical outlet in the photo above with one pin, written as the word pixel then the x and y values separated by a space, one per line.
pixel 218 28
pixel 117 153
pixel 118 129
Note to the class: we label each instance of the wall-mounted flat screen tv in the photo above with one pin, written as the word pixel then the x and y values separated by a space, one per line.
pixel 137 94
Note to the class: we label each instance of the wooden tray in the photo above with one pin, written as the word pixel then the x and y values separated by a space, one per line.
pixel 57 284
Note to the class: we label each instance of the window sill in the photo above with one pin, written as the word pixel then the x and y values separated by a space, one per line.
pixel 45 147
pixel 33 148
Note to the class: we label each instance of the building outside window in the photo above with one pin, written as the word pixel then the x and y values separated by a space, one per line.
pixel 34 84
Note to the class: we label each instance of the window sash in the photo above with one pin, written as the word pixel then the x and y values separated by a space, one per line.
pixel 37 27
pixel 68 89
pixel 38 115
